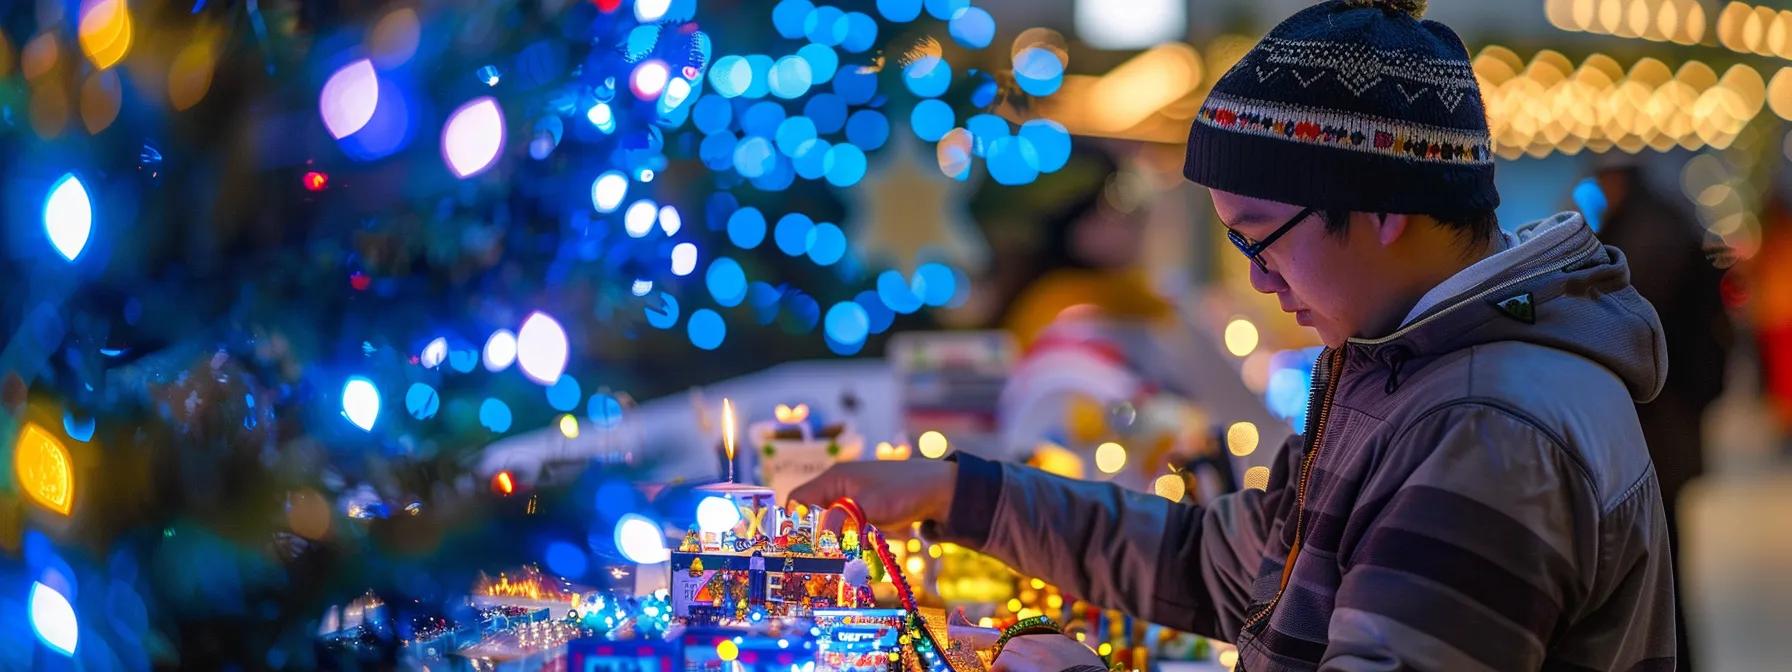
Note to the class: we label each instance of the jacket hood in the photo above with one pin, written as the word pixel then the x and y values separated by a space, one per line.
pixel 1560 288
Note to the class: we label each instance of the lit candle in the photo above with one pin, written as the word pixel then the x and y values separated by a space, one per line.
pixel 728 435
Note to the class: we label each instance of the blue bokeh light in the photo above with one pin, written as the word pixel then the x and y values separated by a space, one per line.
pixel 746 228
pixel 792 233
pixel 731 76
pixel 868 129
pixel 928 76
pixel 854 86
pixel 790 77
pixel 985 129
pixel 1051 143
pixel 827 111
pixel 881 316
pixel 706 329
pixel 760 83
pixel 823 62
pixel 931 119
pixel 861 32
pixel 972 27
pixel 717 150
pixel 847 322
pixel 778 178
pixel 845 165
pixel 1012 161
pixel 792 133
pixel 565 560
pixel 754 157
pixel 421 401
pixel 494 415
pixel 788 17
pixel 935 283
pixel 661 311
pixel 899 11
pixel 763 297
pixel 1038 71
pixel 726 282
pixel 825 26
pixel 810 160
pixel 604 409
pixel 826 243
pixel 896 293
pixel 762 118
pixel 564 394
pixel 944 10
pixel 711 114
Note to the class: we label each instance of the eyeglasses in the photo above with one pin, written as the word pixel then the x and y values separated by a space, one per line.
pixel 1253 250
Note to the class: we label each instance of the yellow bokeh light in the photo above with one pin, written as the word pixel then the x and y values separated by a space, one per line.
pixel 1170 487
pixel 935 551
pixel 1257 477
pixel 914 545
pixel 727 650
pixel 101 95
pixel 1110 457
pixel 933 445
pixel 1229 658
pixel 1052 458
pixel 569 426
pixel 44 469
pixel 1037 583
pixel 190 75
pixel 1014 605
pixel 308 513
pixel 1105 650
pixel 1241 337
pixel 1242 438
pixel 105 31
pixel 1054 601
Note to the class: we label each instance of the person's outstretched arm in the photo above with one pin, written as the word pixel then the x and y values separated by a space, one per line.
pixel 1184 566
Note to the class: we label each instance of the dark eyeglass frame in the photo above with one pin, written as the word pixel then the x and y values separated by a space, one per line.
pixel 1253 250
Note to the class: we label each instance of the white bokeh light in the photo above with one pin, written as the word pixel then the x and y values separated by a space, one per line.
pixel 361 402
pixel 434 353
pixel 541 348
pixel 639 218
pixel 473 137
pixel 500 350
pixel 608 190
pixel 68 216
pixel 670 221
pixel 54 619
pixel 640 540
pixel 349 98
pixel 684 259
pixel 716 514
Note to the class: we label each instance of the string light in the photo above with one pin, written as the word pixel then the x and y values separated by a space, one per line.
pixel 44 469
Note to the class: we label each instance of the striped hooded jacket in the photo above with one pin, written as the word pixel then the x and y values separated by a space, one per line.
pixel 1472 492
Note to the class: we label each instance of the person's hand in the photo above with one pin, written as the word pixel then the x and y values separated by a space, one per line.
pixel 1044 653
pixel 892 493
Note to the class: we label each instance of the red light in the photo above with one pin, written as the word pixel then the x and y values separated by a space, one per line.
pixel 502 484
pixel 315 181
pixel 607 6
pixel 359 281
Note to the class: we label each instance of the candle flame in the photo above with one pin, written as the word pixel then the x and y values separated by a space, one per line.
pixel 728 429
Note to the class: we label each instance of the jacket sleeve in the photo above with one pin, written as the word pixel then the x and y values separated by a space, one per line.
pixel 1185 566
pixel 1466 550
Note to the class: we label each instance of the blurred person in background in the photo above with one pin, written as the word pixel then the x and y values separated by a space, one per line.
pixel 1665 246
pixel 1769 275
pixel 1071 240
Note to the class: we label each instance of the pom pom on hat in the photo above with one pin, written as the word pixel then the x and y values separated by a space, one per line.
pixel 1413 8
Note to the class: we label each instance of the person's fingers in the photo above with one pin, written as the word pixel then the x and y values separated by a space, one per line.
pixel 821 490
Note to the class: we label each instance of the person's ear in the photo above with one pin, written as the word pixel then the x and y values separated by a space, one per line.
pixel 1389 227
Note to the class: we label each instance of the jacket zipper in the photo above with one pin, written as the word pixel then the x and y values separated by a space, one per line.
pixel 1315 441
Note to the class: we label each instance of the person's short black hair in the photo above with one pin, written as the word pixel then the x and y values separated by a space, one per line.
pixel 1478 226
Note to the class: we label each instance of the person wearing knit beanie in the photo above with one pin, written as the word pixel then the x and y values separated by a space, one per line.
pixel 1471 489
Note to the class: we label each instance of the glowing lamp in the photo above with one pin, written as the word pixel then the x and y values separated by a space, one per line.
pixel 361 402
pixel 503 484
pixel 316 181
pixel 348 99
pixel 45 470
pixel 500 350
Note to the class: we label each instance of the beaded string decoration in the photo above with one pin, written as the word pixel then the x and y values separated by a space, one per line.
pixel 927 649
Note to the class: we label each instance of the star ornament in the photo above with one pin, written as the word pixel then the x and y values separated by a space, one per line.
pixel 906 212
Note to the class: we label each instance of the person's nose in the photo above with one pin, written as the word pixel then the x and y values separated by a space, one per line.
pixel 1267 282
